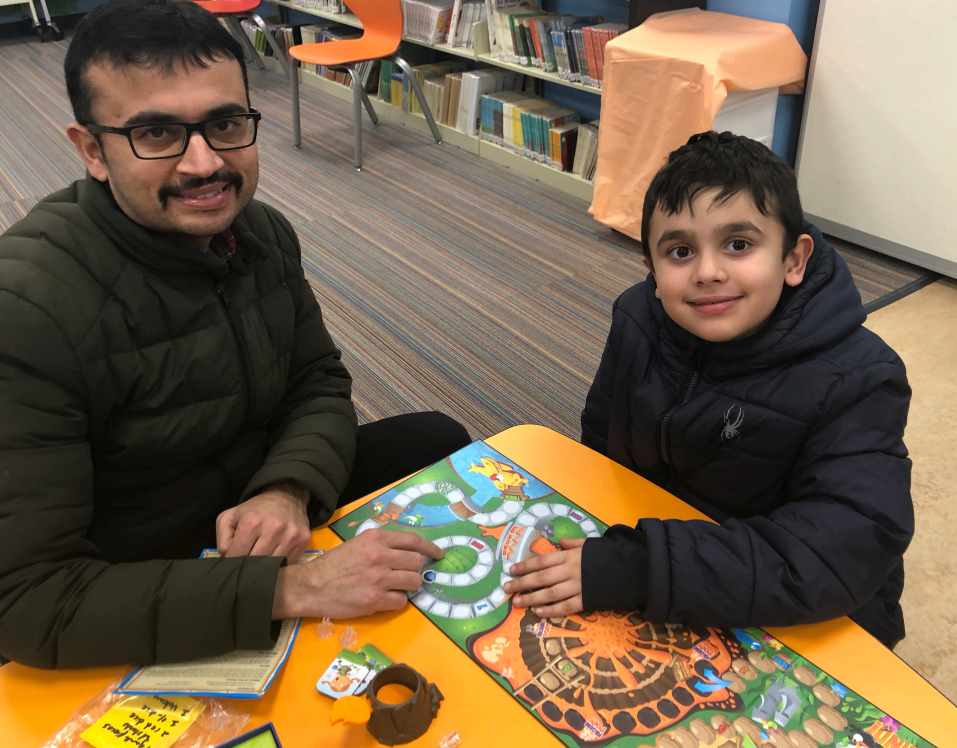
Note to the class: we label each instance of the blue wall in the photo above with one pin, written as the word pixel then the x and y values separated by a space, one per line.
pixel 801 16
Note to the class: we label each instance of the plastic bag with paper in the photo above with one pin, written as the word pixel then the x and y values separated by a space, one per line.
pixel 110 720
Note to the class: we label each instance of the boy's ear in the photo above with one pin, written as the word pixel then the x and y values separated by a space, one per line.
pixel 796 262
pixel 651 269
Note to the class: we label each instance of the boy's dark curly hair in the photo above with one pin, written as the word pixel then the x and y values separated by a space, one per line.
pixel 731 163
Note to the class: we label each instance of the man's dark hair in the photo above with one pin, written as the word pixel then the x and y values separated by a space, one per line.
pixel 144 33
pixel 731 163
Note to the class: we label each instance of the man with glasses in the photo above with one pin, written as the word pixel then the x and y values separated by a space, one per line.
pixel 167 382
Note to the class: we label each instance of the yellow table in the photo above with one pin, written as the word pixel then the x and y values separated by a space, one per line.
pixel 34 703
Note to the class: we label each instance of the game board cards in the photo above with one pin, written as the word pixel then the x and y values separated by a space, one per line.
pixel 351 672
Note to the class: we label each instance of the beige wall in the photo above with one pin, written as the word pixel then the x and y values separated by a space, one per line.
pixel 878 153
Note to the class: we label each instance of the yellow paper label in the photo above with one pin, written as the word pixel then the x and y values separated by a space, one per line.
pixel 144 722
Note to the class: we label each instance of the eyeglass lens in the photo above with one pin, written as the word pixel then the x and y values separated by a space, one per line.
pixel 156 141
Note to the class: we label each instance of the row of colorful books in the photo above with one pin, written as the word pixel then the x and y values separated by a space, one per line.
pixel 539 130
pixel 571 46
pixel 284 36
pixel 580 53
pixel 461 25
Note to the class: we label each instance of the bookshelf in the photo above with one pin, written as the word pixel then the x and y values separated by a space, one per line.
pixel 564 181
pixel 476 54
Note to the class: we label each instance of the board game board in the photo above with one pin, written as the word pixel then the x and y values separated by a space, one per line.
pixel 603 679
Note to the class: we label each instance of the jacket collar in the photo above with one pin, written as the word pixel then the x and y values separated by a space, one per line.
pixel 161 252
pixel 825 308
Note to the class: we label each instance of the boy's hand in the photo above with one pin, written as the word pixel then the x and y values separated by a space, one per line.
pixel 556 577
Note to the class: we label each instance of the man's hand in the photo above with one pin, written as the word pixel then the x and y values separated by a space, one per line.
pixel 274 523
pixel 369 573
pixel 556 577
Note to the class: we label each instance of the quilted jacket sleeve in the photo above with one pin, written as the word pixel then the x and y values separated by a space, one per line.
pixel 823 554
pixel 596 416
pixel 61 604
pixel 314 428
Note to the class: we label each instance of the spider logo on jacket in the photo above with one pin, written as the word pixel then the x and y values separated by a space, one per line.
pixel 731 426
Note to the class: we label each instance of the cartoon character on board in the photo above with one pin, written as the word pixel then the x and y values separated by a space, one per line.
pixel 505 477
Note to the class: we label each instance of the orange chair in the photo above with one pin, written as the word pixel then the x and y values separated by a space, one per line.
pixel 232 12
pixel 382 32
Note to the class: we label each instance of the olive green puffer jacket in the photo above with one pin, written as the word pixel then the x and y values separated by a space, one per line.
pixel 144 388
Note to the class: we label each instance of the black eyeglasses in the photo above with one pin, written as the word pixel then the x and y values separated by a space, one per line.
pixel 171 139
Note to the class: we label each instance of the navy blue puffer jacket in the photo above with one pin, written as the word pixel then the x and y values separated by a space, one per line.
pixel 791 439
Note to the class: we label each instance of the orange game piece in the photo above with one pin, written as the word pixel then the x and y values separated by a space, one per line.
pixel 350 710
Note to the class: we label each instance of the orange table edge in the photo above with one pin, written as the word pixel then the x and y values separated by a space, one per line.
pixel 35 703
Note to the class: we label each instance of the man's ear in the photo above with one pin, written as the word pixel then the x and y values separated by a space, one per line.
pixel 795 264
pixel 89 149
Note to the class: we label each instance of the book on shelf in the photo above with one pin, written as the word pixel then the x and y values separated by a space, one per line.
pixel 282 33
pixel 492 117
pixel 465 14
pixel 579 49
pixel 586 152
pixel 326 6
pixel 319 33
pixel 494 30
pixel 476 84
pixel 540 122
pixel 562 140
pixel 427 20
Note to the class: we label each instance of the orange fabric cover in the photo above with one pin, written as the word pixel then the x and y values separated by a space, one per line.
pixel 664 81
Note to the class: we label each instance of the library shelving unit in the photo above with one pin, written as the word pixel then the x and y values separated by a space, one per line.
pixel 565 181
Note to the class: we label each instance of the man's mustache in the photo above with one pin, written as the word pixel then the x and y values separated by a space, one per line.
pixel 230 178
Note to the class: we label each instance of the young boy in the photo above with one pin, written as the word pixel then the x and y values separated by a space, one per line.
pixel 738 377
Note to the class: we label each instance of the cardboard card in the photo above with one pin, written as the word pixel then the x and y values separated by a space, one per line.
pixel 351 672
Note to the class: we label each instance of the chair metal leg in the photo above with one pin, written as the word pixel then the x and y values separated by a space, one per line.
pixel 413 81
pixel 252 56
pixel 368 104
pixel 294 89
pixel 357 92
pixel 270 40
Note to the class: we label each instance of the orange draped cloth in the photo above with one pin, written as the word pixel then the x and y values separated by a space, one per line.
pixel 664 81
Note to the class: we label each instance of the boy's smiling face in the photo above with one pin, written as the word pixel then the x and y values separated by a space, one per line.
pixel 719 267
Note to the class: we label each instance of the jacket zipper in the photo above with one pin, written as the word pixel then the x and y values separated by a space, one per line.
pixel 664 424
pixel 247 375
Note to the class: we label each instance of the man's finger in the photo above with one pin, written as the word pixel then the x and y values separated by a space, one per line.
pixel 409 541
pixel 393 601
pixel 267 545
pixel 404 580
pixel 405 560
pixel 247 533
pixel 564 608
pixel 538 563
pixel 225 529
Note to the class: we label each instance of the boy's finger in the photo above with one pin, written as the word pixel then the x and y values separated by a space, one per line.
pixel 570 543
pixel 536 579
pixel 564 608
pixel 538 563
pixel 547 595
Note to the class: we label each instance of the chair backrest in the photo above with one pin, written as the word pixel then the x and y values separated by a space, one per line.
pixel 380 18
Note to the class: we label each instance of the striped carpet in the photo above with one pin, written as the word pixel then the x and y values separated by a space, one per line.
pixel 449 283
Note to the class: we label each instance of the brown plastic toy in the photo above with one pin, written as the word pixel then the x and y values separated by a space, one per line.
pixel 394 724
